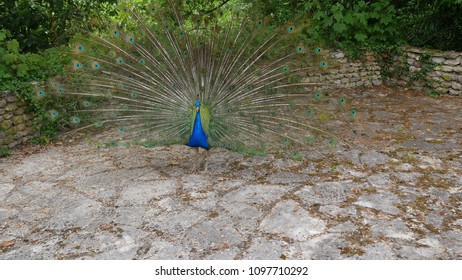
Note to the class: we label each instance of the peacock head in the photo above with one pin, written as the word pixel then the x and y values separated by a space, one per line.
pixel 198 105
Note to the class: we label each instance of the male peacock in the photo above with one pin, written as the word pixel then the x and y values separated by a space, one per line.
pixel 238 84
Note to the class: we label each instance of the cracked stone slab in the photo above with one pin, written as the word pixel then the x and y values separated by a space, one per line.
pixel 288 218
pixel 380 201
pixel 329 192
pixel 390 195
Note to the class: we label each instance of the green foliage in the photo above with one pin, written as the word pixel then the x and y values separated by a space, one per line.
pixel 41 24
pixel 426 65
pixel 354 26
pixel 433 24
pixel 18 70
pixel 4 152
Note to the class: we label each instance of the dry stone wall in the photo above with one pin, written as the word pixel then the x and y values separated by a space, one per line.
pixel 428 70
pixel 16 124
pixel 346 73
pixel 424 70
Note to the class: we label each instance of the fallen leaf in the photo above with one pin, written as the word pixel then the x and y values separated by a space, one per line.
pixel 8 243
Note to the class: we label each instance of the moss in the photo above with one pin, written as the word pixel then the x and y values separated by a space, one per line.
pixel 426 181
pixel 4 152
pixel 214 215
pixel 352 251
pixel 431 228
pixel 434 141
pixel 421 203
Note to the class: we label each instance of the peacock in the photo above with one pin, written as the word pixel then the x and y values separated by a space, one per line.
pixel 168 78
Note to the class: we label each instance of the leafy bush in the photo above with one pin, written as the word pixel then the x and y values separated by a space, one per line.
pixel 354 26
pixel 434 24
pixel 18 71
pixel 41 24
pixel 4 152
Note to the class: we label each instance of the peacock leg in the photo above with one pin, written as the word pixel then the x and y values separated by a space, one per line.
pixel 194 166
pixel 206 160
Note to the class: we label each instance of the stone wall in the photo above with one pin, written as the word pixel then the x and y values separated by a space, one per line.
pixel 346 73
pixel 428 70
pixel 15 124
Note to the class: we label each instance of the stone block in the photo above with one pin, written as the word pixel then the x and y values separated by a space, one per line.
pixel 20 110
pixel 7 116
pixel 451 62
pixel 11 99
pixel 6 124
pixel 10 107
pixel 12 144
pixel 456 86
pixel 445 68
pixel 454 92
pixel 2 103
pixel 20 127
pixel 438 60
pixel 17 120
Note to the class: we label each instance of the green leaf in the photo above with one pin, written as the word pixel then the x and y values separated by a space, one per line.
pixel 13 46
pixel 339 27
pixel 349 19
pixel 327 22
pixel 22 70
pixel 9 58
pixel 386 20
pixel 361 37
pixel 2 35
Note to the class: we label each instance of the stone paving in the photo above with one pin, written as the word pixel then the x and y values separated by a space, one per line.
pixel 395 194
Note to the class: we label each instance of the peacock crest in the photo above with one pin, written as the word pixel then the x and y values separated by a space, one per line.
pixel 154 78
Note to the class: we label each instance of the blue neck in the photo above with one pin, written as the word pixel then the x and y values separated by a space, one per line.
pixel 198 136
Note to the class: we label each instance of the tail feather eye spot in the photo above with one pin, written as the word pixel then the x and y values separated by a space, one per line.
pixel 75 120
pixel 331 143
pixel 318 50
pixel 290 29
pixel 116 33
pixel 353 113
pixel 142 62
pixel 95 65
pixel 53 114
